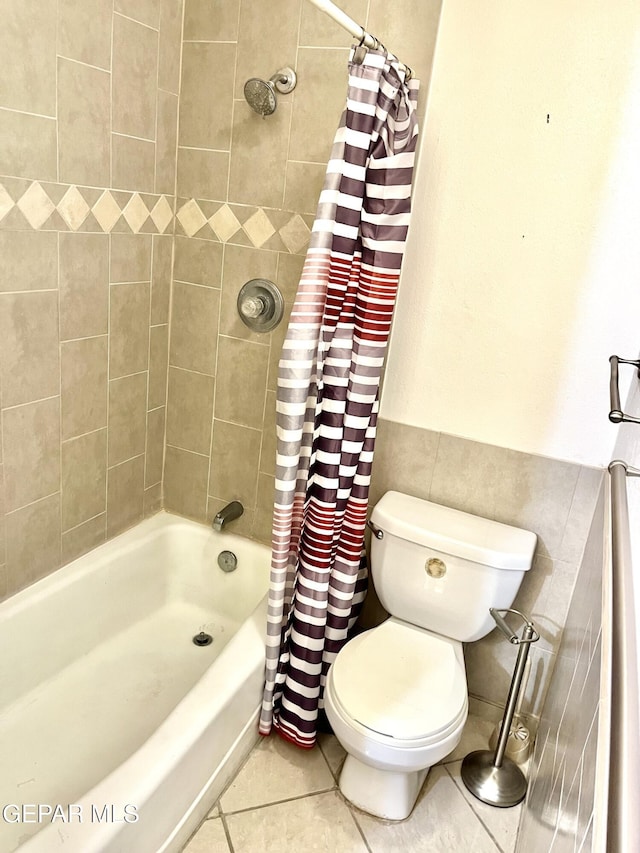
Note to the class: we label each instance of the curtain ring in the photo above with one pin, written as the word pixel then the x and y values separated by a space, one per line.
pixel 362 37
pixel 408 73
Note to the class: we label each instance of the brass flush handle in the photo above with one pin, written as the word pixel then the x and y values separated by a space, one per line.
pixel 435 567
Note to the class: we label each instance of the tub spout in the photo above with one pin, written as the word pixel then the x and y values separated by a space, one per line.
pixel 228 513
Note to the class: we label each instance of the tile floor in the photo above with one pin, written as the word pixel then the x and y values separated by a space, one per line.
pixel 286 800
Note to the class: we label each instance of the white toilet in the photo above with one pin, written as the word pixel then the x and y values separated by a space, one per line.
pixel 396 696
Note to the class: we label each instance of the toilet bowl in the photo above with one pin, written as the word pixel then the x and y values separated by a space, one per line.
pixel 396 695
pixel 400 723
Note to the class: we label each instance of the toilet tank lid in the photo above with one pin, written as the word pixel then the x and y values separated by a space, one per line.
pixel 454 532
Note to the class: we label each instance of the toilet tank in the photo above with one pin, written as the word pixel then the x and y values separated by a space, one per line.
pixel 442 569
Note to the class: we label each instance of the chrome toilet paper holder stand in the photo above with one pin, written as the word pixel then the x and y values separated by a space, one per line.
pixel 490 776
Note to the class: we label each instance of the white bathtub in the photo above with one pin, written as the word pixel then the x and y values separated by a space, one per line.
pixel 106 702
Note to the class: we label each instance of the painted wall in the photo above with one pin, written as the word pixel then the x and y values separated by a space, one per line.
pixel 521 275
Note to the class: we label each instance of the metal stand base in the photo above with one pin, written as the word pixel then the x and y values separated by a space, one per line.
pixel 503 786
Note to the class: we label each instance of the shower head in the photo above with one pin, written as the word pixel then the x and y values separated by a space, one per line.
pixel 261 94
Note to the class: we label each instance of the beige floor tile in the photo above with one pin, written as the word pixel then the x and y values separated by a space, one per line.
pixel 210 838
pixel 276 770
pixel 476 735
pixel 441 822
pixel 333 751
pixel 320 823
pixel 501 823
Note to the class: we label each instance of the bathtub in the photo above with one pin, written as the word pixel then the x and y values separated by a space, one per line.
pixel 110 716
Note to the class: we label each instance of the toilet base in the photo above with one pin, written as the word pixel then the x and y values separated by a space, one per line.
pixel 383 793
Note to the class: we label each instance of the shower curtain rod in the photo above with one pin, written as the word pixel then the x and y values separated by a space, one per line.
pixel 351 26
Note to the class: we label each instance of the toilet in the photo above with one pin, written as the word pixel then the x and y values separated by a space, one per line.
pixel 396 695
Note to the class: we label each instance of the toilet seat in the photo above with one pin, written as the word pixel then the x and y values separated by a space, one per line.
pixel 400 684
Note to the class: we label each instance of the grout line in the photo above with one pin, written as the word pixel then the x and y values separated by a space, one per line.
pixel 32 503
pixel 30 403
pixel 473 811
pixel 189 370
pixel 140 139
pixel 86 521
pixel 125 461
pixel 261 806
pixel 354 815
pixel 86 338
pixel 80 62
pixel 227 833
pixel 35 115
pixel 83 435
pixel 186 450
pixel 135 21
pixel 60 384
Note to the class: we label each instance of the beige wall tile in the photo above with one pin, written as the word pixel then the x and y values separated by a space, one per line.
pixel 84 285
pixel 155 447
pixel 190 410
pixel 145 11
pixel 31 439
pixel 134 163
pixel 202 174
pixel 264 509
pixel 194 328
pixel 319 30
pixel 125 495
pixel 161 279
pixel 33 542
pixel 268 447
pixel 531 492
pixel 206 95
pixel 152 502
pixel 240 265
pixel 185 483
pixel 38 159
pixel 170 45
pixel 414 42
pixel 198 261
pixel 211 20
pixel 259 155
pixel 83 538
pixel 166 147
pixel 127 417
pixel 289 274
pixel 404 460
pixel 28 46
pixel 84 385
pixel 158 360
pixel 235 454
pixel 303 186
pixel 241 382
pixel 3 556
pixel 29 260
pixel 266 41
pixel 130 257
pixel 29 356
pixel 84 31
pixel 84 124
pixel 134 73
pixel 129 325
pixel 315 120
pixel 84 478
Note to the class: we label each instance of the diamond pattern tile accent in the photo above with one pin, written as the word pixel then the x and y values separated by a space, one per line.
pixel 6 202
pixel 73 208
pixel 191 217
pixel 162 214
pixel 76 208
pixel 259 228
pixel 106 211
pixel 295 234
pixel 36 205
pixel 136 213
pixel 225 223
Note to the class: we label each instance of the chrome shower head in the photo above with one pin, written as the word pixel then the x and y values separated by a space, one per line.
pixel 261 94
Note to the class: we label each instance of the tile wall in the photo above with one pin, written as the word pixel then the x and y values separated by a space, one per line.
pixel 554 499
pixel 88 114
pixel 247 191
pixel 559 810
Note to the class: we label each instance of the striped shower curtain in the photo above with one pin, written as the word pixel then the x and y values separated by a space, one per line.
pixel 327 399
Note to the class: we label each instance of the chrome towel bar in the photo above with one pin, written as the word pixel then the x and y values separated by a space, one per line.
pixel 616 415
pixel 623 815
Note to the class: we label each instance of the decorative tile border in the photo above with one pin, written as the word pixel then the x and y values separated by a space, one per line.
pixel 42 205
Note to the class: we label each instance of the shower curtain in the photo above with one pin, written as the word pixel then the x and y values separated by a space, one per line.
pixel 327 397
